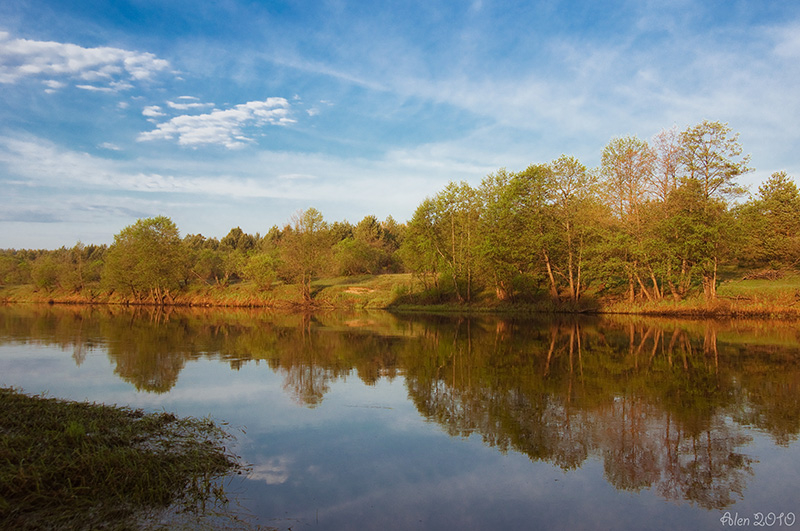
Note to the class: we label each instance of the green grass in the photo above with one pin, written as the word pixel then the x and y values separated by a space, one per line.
pixel 780 290
pixel 70 465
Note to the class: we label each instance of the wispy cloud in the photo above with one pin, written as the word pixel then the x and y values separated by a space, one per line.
pixel 106 68
pixel 222 127
pixel 152 111
pixel 188 106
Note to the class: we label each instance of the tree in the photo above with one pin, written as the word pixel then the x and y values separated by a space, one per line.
pixel 627 168
pixel 418 250
pixel 146 260
pixel 573 206
pixel 771 223
pixel 712 158
pixel 693 235
pixel 711 154
pixel 260 269
pixel 667 150
pixel 306 249
pixel 364 250
pixel 512 222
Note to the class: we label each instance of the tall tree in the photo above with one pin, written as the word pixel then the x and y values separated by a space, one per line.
pixel 574 203
pixel 668 154
pixel 711 155
pixel 306 249
pixel 512 228
pixel 712 158
pixel 146 260
pixel 627 168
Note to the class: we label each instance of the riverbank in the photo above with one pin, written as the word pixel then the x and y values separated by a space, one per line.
pixel 737 298
pixel 71 465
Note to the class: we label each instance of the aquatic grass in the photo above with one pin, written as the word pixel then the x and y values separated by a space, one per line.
pixel 71 465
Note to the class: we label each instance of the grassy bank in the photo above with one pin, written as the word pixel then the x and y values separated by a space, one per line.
pixel 737 297
pixel 69 465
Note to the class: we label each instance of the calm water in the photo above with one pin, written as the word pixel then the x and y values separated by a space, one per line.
pixel 374 421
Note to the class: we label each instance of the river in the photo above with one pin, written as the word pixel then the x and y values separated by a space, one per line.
pixel 383 421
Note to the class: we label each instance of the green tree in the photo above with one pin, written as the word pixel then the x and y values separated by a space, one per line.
pixel 418 250
pixel 512 227
pixel 46 270
pixel 711 155
pixel 693 235
pixel 261 269
pixel 627 168
pixel 771 224
pixel 712 158
pixel 146 260
pixel 305 249
pixel 574 211
pixel 363 250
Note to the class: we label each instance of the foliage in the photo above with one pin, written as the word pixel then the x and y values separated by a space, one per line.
pixel 305 248
pixel 146 260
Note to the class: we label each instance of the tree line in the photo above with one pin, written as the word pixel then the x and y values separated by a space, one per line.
pixel 655 220
pixel 149 261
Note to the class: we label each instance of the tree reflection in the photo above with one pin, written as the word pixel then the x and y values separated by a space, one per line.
pixel 664 404
pixel 651 402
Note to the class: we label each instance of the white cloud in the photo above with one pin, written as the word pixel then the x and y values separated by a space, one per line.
pixel 53 85
pixel 188 106
pixel 93 88
pixel 21 58
pixel 152 111
pixel 222 127
pixel 110 146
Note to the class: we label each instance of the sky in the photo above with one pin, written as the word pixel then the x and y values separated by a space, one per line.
pixel 243 112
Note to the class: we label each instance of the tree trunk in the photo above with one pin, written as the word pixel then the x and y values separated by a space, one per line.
pixel 553 287
pixel 643 287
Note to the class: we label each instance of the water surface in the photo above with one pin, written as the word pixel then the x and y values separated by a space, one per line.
pixel 378 421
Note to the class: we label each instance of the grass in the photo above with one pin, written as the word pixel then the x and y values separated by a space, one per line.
pixel 737 296
pixel 71 465
pixel 740 294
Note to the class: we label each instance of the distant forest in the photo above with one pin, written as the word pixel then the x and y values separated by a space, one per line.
pixel 653 221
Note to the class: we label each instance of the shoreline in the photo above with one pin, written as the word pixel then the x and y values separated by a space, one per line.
pixel 723 308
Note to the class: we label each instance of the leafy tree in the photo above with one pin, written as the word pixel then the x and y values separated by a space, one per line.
pixel 771 223
pixel 261 269
pixel 711 155
pixel 45 271
pixel 363 250
pixel 146 260
pixel 305 249
pixel 14 269
pixel 419 248
pixel 694 235
pixel 574 210
pixel 512 226
pixel 712 158
pixel 238 240
pixel 627 168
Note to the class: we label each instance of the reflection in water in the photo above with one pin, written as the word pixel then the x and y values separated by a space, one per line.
pixel 664 404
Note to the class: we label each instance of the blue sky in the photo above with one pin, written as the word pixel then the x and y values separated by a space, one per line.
pixel 240 113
